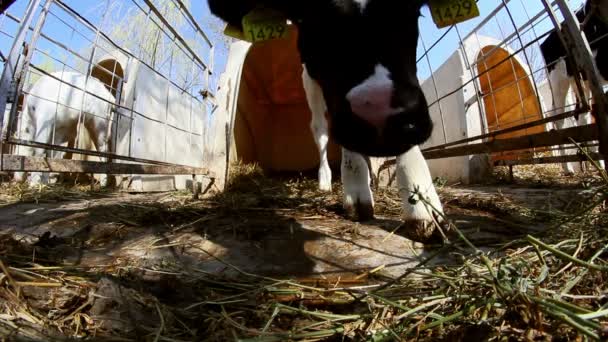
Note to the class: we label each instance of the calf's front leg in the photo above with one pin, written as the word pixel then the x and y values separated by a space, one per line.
pixel 415 181
pixel 356 182
pixel 318 126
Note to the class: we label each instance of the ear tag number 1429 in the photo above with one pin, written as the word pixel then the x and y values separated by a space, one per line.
pixel 450 12
pixel 260 25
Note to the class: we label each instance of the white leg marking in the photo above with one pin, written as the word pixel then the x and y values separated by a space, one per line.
pixel 26 132
pixel 560 84
pixel 318 126
pixel 46 124
pixel 98 133
pixel 586 118
pixel 362 4
pixel 34 130
pixel 356 182
pixel 583 118
pixel 413 173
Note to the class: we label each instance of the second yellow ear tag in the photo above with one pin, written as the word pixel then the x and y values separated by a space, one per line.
pixel 264 24
pixel 233 32
pixel 450 12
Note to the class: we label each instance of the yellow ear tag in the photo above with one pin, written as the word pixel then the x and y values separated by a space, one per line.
pixel 233 32
pixel 264 24
pixel 450 12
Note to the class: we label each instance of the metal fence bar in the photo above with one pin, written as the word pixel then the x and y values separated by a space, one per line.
pixel 550 160
pixel 487 18
pixel 568 47
pixel 506 59
pixel 432 46
pixel 580 134
pixel 36 144
pixel 428 61
pixel 8 73
pixel 197 27
pixel 81 26
pixel 508 130
pixel 114 44
pixel 584 60
pixel 514 34
pixel 100 98
pixel 521 42
pixel 525 39
pixel 41 164
pixel 559 137
pixel 86 82
pixel 174 32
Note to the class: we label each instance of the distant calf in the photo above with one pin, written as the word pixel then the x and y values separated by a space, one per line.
pixel 561 71
pixel 52 111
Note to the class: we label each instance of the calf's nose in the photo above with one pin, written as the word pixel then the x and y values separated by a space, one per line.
pixel 372 100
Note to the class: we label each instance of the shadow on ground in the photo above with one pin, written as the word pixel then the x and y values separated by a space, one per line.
pixel 129 263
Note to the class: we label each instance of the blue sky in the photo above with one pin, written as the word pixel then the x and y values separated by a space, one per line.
pixel 91 10
pixel 498 27
pixel 521 10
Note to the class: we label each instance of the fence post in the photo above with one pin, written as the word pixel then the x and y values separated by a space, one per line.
pixel 579 47
pixel 21 70
pixel 8 74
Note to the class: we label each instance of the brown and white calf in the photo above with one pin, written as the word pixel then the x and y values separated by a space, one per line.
pixel 51 113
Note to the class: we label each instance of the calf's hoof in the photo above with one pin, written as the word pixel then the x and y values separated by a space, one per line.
pixel 360 211
pixel 325 179
pixel 19 177
pixel 426 231
pixel 325 187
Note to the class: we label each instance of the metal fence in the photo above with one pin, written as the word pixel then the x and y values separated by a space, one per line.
pixel 487 88
pixel 155 68
pixel 485 82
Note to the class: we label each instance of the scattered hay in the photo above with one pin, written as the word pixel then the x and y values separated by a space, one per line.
pixel 11 193
pixel 546 175
pixel 546 286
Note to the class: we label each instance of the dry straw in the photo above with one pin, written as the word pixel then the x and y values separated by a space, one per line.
pixel 547 282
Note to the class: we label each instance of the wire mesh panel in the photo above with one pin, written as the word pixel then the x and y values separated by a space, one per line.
pixel 120 80
pixel 9 27
pixel 489 92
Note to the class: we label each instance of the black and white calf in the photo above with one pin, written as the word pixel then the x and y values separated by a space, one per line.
pixel 359 59
pixel 561 71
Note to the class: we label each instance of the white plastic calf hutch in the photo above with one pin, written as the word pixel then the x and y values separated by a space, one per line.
pixel 262 106
pixel 502 95
pixel 161 109
pixel 165 124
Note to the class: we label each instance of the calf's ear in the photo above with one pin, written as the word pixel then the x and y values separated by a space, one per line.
pixel 233 11
pixel 230 11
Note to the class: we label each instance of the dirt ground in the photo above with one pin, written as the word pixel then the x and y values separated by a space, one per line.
pixel 118 265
